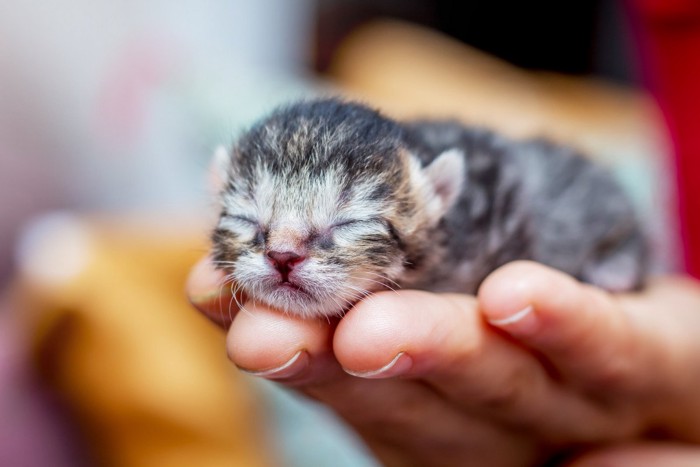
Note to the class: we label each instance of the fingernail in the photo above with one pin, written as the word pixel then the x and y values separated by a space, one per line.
pixel 291 367
pixel 522 321
pixel 397 366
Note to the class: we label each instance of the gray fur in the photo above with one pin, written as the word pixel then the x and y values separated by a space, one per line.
pixel 530 200
pixel 355 194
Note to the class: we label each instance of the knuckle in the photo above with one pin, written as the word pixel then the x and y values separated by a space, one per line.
pixel 510 393
pixel 616 373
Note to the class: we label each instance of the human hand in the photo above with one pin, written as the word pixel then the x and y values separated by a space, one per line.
pixel 642 454
pixel 579 369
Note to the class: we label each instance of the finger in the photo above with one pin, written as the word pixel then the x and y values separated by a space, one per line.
pixel 581 330
pixel 406 422
pixel 667 312
pixel 642 455
pixel 209 292
pixel 275 345
pixel 441 340
pixel 391 415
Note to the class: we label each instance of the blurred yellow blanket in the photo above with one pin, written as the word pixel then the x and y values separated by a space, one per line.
pixel 145 375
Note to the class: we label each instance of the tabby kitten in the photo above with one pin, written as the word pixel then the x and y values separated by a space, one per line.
pixel 326 201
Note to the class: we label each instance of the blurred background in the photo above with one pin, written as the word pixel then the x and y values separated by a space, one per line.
pixel 109 112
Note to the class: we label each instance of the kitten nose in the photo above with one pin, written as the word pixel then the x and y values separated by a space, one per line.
pixel 284 260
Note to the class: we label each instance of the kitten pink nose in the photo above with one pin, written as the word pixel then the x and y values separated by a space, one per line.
pixel 284 261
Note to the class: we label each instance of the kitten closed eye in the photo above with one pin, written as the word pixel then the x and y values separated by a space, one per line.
pixel 244 227
pixel 352 229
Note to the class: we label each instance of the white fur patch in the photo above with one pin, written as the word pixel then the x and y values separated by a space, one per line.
pixel 266 193
pixel 322 200
pixel 360 206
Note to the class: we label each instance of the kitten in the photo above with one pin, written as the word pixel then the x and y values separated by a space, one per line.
pixel 326 201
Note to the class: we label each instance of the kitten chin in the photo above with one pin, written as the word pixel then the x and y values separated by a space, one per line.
pixel 325 202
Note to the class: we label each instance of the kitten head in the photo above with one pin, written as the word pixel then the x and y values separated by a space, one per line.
pixel 322 204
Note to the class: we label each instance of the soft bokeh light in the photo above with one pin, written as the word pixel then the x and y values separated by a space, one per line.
pixel 117 106
pixel 109 114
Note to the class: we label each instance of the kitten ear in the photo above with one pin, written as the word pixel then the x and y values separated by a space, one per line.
pixel 445 176
pixel 218 168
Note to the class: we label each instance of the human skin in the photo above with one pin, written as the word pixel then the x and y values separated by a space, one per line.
pixel 537 367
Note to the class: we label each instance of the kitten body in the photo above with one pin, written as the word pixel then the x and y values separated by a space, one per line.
pixel 325 201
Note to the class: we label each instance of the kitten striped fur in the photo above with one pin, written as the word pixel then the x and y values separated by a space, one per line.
pixel 326 201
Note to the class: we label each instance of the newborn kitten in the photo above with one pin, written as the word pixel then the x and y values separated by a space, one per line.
pixel 324 202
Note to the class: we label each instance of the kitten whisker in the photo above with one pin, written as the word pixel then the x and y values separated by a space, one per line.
pixel 376 282
pixel 384 277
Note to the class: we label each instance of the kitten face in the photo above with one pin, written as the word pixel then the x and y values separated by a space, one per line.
pixel 306 225
pixel 322 205
pixel 342 243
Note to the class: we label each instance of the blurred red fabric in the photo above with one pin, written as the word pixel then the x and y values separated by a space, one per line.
pixel 668 36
